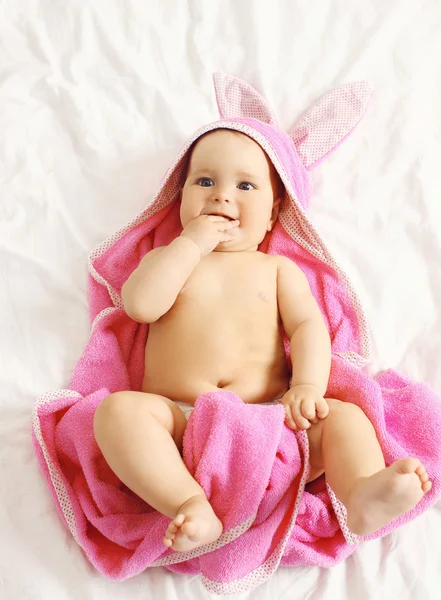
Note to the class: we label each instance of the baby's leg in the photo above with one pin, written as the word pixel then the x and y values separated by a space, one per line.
pixel 345 445
pixel 140 436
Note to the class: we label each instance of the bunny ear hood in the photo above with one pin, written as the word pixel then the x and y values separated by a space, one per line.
pixel 329 121
pixel 321 129
pixel 236 99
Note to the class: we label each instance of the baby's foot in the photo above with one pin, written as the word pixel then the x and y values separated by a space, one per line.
pixel 195 524
pixel 381 498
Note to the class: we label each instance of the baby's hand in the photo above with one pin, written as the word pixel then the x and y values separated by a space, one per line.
pixel 207 231
pixel 304 405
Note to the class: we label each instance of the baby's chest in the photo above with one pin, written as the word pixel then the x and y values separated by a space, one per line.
pixel 243 289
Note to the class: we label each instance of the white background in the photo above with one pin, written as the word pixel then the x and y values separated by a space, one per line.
pixel 96 99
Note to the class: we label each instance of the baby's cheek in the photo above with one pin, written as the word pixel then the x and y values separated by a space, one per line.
pixel 252 224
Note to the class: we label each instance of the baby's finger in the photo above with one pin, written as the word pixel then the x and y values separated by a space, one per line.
pixel 227 236
pixel 300 420
pixel 230 224
pixel 322 408
pixel 308 409
pixel 289 420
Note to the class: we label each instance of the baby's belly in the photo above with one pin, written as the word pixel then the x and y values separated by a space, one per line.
pixel 184 360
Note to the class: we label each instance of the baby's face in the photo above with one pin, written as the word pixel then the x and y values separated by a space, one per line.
pixel 229 174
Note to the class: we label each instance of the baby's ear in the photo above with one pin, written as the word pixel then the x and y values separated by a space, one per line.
pixel 274 213
pixel 329 121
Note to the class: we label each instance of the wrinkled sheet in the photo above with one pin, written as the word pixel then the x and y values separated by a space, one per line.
pixel 88 97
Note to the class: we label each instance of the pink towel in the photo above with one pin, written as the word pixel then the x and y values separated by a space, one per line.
pixel 252 467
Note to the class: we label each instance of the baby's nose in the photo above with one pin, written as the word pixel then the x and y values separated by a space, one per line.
pixel 221 196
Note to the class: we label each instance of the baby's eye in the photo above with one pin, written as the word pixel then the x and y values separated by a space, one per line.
pixel 205 182
pixel 246 185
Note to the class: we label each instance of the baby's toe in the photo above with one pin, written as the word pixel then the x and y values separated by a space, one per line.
pixel 169 536
pixel 422 474
pixel 406 465
pixel 178 520
pixel 426 486
pixel 189 528
pixel 172 528
pixel 170 532
pixel 424 478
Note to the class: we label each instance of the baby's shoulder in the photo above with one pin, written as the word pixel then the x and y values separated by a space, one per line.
pixel 287 268
pixel 281 262
pixel 282 267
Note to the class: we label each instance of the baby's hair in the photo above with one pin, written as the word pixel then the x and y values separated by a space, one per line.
pixel 277 184
pixel 279 188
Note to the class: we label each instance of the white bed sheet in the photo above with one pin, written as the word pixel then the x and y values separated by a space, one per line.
pixel 95 101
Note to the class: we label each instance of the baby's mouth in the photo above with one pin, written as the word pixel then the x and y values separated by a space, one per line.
pixel 221 215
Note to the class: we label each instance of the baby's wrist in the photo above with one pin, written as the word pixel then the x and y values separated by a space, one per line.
pixel 191 244
pixel 309 385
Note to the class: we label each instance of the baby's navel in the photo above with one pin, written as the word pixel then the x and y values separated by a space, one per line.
pixel 264 296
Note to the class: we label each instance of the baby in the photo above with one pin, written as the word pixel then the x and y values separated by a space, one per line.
pixel 217 308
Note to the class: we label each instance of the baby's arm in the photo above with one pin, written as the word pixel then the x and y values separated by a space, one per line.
pixel 309 342
pixel 152 288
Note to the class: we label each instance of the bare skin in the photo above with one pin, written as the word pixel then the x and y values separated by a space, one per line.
pixel 224 331
pixel 386 495
pixel 217 309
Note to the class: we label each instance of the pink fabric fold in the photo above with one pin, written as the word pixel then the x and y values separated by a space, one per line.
pixel 253 469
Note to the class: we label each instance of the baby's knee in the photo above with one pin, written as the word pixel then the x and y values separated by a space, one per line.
pixel 338 406
pixel 131 410
pixel 346 412
pixel 334 404
pixel 110 410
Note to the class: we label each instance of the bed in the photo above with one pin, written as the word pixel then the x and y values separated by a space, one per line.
pixel 95 102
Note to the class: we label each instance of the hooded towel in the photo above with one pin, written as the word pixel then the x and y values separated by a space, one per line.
pixel 270 517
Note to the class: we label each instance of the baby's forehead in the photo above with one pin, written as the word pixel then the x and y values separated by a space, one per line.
pixel 220 136
pixel 242 146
